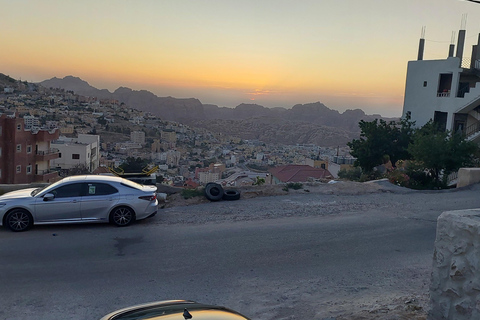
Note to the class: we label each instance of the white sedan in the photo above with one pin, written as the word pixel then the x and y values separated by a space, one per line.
pixel 77 199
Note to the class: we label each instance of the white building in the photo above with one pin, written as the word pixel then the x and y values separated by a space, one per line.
pixel 137 137
pixel 446 91
pixel 31 122
pixel 84 150
pixel 206 177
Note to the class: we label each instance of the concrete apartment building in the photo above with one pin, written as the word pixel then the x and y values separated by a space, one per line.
pixel 446 90
pixel 81 151
pixel 169 135
pixel 137 137
pixel 25 154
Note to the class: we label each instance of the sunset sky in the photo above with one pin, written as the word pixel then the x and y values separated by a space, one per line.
pixel 346 54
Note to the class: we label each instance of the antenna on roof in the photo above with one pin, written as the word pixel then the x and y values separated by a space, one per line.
pixel 463 25
pixel 421 45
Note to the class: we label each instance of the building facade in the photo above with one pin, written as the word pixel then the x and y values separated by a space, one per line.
pixel 74 152
pixel 446 91
pixel 25 155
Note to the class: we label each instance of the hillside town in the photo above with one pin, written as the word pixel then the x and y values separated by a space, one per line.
pixel 58 133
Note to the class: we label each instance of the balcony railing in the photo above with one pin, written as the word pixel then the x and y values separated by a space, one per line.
pixel 472 129
pixel 443 94
pixel 43 172
pixel 47 152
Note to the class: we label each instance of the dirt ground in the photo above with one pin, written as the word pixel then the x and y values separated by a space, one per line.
pixel 392 308
pixel 175 199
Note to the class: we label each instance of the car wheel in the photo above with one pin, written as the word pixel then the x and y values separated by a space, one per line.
pixel 231 195
pixel 213 191
pixel 122 216
pixel 19 220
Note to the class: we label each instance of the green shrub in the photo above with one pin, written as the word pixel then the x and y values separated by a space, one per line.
pixel 292 185
pixel 353 174
pixel 192 193
pixel 398 177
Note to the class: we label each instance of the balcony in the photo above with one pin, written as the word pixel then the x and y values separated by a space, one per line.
pixel 472 132
pixel 443 94
pixel 46 155
pixel 46 176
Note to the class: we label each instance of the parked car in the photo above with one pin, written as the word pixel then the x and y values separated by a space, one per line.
pixel 175 310
pixel 77 199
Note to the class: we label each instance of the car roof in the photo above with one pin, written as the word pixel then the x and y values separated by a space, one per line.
pixel 93 177
pixel 174 309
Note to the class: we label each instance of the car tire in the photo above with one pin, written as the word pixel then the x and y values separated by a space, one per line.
pixel 231 195
pixel 122 216
pixel 213 191
pixel 19 220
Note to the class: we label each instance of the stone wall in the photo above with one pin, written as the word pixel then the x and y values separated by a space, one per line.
pixel 455 287
pixel 468 176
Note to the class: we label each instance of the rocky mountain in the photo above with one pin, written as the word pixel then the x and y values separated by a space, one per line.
pixel 303 123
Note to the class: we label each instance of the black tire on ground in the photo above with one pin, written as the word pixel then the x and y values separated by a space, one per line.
pixel 213 191
pixel 19 220
pixel 122 216
pixel 231 194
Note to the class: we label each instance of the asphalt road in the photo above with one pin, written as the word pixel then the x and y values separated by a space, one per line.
pixel 278 267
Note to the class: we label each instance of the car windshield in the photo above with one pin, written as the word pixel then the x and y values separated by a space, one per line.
pixel 36 191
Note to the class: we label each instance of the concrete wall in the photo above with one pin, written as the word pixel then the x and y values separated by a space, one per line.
pixel 468 176
pixel 455 287
pixel 422 101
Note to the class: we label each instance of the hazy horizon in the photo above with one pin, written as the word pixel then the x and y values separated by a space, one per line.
pixel 346 55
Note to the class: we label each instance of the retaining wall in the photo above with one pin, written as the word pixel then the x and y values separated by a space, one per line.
pixel 455 287
pixel 468 176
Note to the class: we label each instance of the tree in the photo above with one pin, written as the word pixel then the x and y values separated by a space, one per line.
pixel 381 140
pixel 259 181
pixel 132 165
pixel 441 151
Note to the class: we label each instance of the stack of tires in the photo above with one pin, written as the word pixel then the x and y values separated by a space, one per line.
pixel 215 192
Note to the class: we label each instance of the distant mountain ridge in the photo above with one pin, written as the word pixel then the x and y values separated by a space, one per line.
pixel 326 126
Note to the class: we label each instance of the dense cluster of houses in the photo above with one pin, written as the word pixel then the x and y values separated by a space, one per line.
pixel 48 132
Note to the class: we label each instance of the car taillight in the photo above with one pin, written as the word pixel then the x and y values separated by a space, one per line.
pixel 149 198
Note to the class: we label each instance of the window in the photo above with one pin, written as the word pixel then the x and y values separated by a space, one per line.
pixel 29 169
pixel 444 85
pixel 424 83
pixel 440 119
pixel 29 149
pixel 100 189
pixel 75 156
pixel 19 148
pixel 19 127
pixel 19 169
pixel 59 154
pixel 70 190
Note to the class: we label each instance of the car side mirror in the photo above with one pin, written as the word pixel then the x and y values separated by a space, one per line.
pixel 48 196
